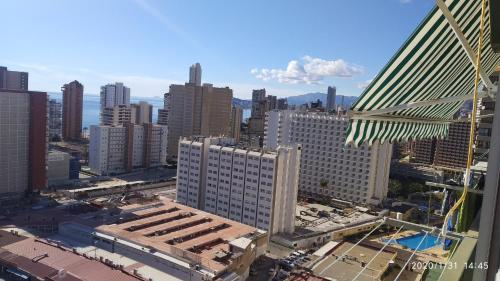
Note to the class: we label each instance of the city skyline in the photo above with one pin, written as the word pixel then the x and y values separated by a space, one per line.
pixel 158 46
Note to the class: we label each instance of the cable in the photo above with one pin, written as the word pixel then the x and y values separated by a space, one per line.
pixel 345 253
pixel 380 251
pixel 409 259
pixel 470 154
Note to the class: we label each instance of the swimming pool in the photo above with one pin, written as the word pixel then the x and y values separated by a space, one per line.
pixel 413 241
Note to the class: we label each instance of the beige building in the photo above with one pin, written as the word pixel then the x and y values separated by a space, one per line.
pixel 236 120
pixel 141 113
pixel 197 110
pixel 117 115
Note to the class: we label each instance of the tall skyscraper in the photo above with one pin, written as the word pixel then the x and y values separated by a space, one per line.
pixel 115 94
pixel 163 113
pixel 116 115
pixel 330 98
pixel 259 103
pixel 195 74
pixel 328 167
pixel 23 141
pixel 255 187
pixel 55 120
pixel 197 110
pixel 72 110
pixel 236 120
pixel 272 102
pixel 13 80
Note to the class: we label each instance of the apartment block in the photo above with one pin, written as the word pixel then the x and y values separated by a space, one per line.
pixel 114 94
pixel 328 167
pixel 13 80
pixel 23 141
pixel 119 149
pixel 330 98
pixel 197 110
pixel 195 74
pixel 256 187
pixel 424 151
pixel 141 113
pixel 117 115
pixel 484 128
pixel 55 120
pixel 236 120
pixel 72 110
pixel 452 151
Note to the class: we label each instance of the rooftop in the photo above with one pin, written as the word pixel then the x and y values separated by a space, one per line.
pixel 44 260
pixel 182 232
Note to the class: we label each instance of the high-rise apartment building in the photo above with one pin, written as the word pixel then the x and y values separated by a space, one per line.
pixel 195 74
pixel 484 128
pixel 13 80
pixel 330 98
pixel 72 110
pixel 236 120
pixel 452 151
pixel 282 104
pixel 328 167
pixel 116 115
pixel 114 94
pixel 255 187
pixel 197 110
pixel 119 149
pixel 55 120
pixel 424 151
pixel 272 102
pixel 23 141
pixel 163 113
pixel 259 103
pixel 141 113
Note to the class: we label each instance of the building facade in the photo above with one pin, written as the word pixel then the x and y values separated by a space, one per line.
pixel 55 120
pixel 117 115
pixel 13 80
pixel 141 113
pixel 255 187
pixel 452 151
pixel 119 149
pixel 114 94
pixel 330 98
pixel 236 120
pixel 195 74
pixel 197 110
pixel 328 167
pixel 23 141
pixel 424 151
pixel 72 110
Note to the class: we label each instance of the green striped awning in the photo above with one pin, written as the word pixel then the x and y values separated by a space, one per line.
pixel 431 65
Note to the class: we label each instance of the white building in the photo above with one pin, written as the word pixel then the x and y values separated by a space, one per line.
pixel 257 188
pixel 328 167
pixel 114 94
pixel 121 149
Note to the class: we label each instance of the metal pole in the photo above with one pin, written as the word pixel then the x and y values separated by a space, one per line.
pixel 488 246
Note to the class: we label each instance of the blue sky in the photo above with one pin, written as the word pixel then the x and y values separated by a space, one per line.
pixel 288 47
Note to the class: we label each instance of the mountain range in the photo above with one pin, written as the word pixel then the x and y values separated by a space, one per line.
pixel 302 99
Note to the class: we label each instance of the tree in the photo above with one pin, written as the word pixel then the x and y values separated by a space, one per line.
pixel 395 188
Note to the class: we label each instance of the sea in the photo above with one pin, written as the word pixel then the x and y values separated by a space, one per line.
pixel 91 107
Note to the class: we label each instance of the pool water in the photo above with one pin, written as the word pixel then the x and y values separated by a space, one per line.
pixel 413 241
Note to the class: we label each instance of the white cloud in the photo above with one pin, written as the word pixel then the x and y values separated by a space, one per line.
pixel 309 70
pixel 364 84
pixel 49 78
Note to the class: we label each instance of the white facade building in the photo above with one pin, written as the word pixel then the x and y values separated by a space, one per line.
pixel 328 167
pixel 114 94
pixel 257 188
pixel 121 149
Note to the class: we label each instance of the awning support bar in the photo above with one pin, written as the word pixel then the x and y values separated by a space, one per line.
pixel 415 104
pixel 463 41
